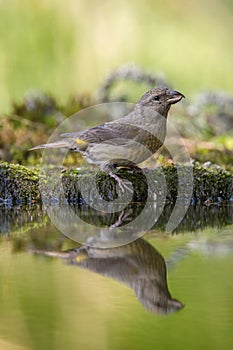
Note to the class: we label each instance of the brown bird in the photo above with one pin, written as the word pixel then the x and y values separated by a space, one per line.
pixel 127 141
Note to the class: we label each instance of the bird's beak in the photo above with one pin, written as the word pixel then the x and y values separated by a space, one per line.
pixel 174 96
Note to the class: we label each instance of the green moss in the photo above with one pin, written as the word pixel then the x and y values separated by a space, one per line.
pixel 18 183
pixel 210 184
pixel 214 182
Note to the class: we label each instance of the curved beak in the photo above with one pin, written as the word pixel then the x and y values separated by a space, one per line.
pixel 174 96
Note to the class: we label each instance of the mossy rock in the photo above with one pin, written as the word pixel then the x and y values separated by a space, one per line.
pixel 18 184
pixel 21 184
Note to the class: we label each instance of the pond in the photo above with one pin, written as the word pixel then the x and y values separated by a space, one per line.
pixel 162 291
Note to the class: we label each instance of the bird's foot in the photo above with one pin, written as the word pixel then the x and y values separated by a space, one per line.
pixel 110 169
pixel 123 217
pixel 123 184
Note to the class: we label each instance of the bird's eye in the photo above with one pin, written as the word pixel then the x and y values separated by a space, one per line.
pixel 156 98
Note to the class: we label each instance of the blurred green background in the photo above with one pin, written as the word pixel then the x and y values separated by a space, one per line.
pixel 64 47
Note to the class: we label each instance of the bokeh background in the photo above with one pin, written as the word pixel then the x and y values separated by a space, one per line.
pixel 64 47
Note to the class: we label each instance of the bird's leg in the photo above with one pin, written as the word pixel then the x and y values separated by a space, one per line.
pixel 110 169
pixel 122 217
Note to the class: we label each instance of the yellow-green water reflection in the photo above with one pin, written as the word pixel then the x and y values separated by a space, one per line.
pixel 46 303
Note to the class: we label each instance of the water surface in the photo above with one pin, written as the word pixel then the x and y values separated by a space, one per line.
pixel 121 297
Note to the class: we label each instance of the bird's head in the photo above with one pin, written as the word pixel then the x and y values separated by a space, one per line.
pixel 160 99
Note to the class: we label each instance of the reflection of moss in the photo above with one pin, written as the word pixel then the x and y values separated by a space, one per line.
pixel 18 183
pixel 41 235
pixel 45 238
pixel 198 217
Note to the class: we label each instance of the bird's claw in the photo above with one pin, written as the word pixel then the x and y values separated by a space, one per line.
pixel 124 185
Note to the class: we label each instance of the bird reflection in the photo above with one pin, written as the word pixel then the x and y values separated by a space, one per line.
pixel 138 265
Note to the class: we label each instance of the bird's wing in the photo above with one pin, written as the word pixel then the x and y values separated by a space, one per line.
pixel 112 133
pixel 105 132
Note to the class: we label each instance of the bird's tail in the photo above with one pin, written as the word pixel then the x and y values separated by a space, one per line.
pixel 58 144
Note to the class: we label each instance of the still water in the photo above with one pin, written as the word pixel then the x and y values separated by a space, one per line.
pixel 163 291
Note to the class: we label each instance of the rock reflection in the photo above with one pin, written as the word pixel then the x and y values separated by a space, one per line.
pixel 199 217
pixel 138 265
pixel 112 227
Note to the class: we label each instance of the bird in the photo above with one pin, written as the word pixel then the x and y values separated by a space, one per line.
pixel 138 265
pixel 125 142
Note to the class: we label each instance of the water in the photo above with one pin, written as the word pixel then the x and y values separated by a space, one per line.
pixel 117 298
